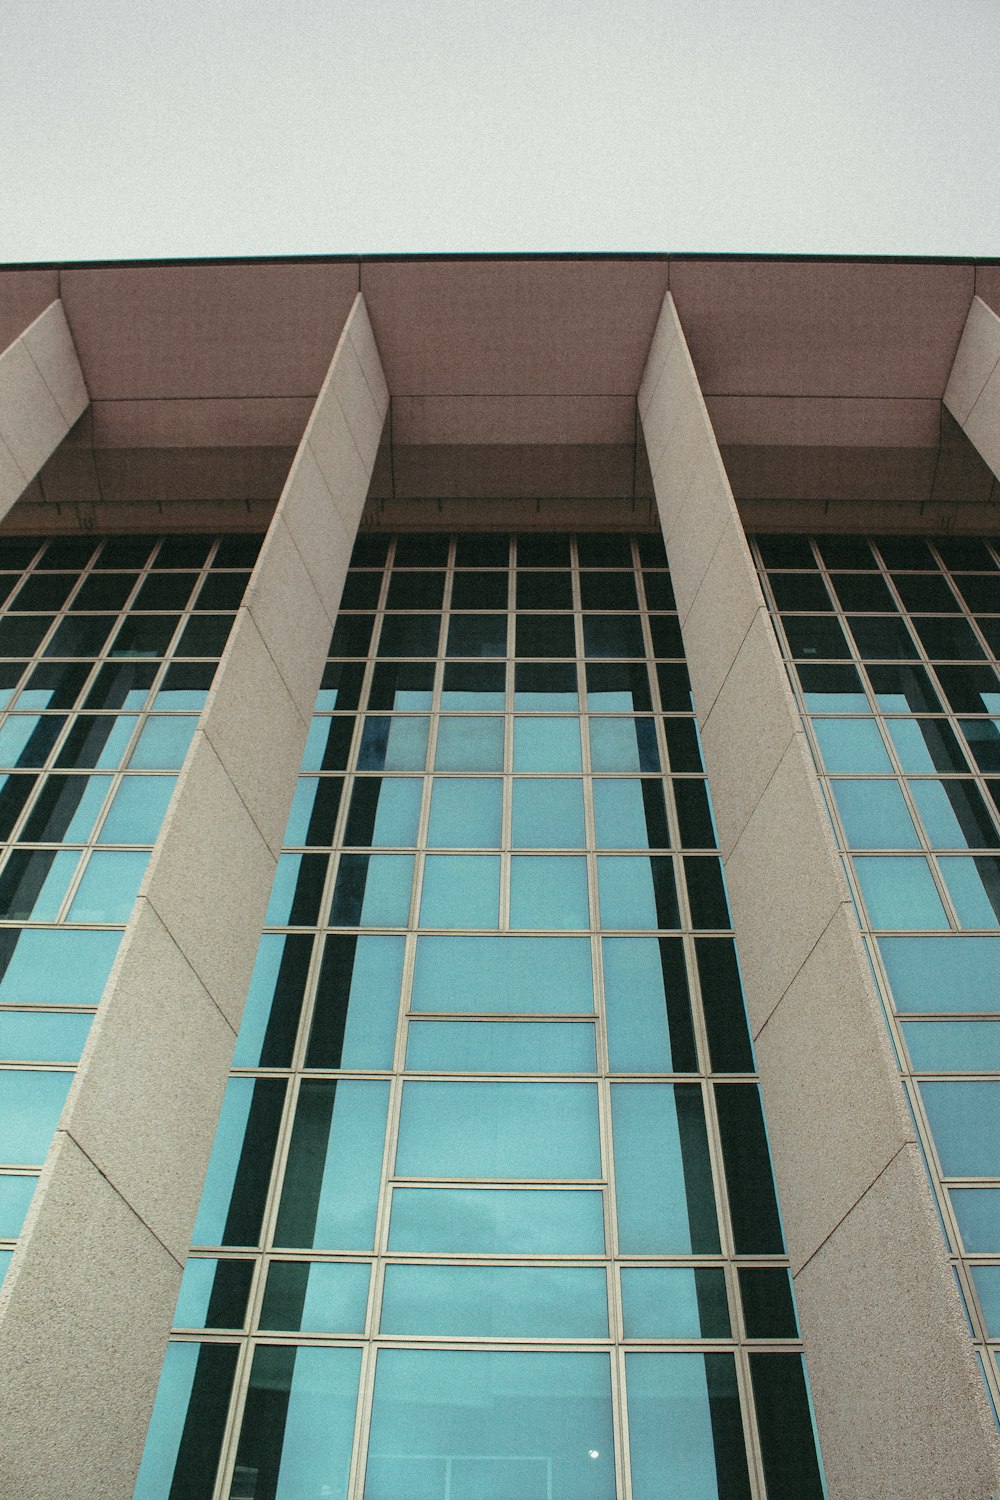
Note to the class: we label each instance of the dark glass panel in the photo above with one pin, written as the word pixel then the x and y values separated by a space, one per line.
pixel 618 687
pixel 608 591
pixel 543 551
pixel 722 1004
pixel 370 551
pixel 879 637
pixel 201 1436
pixel 337 746
pixel 479 591
pixel 252 1177
pixel 863 591
pixel 981 592
pixel 652 553
pixel 222 591
pixel 18 552
pixel 962 553
pixel 666 634
pixel 21 884
pixel 238 551
pixel 323 814
pixel 468 685
pixel 407 635
pixel 768 1306
pixel 283 1003
pixel 21 635
pixel 308 890
pixel 14 793
pixel 971 690
pixel 477 635
pixel 80 635
pixel 682 745
pixel 948 639
pixel 55 807
pixel 545 635
pixel 139 635
pixel 361 591
pixel 397 685
pixel 126 551
pixel 352 635
pixel 903 690
pixel 185 684
pixel 991 630
pixel 54 685
pixel 8 581
pixel 620 635
pixel 68 552
pixel 785 552
pixel 414 550
pixel 104 591
pixel 183 552
pixel 120 683
pixel 204 635
pixel 799 591
pixel 784 1422
pixel 44 735
pixel 546 687
pixel 694 815
pixel 814 636
pixel 753 1207
pixel 927 591
pixel 227 1303
pixel 415 591
pixel 481 550
pixel 165 591
pixel 983 737
pixel 544 591
pixel 43 591
pixel 87 739
pixel 601 550
pixel 846 552
pixel 675 688
pixel 659 591
pixel 706 891
pixel 905 552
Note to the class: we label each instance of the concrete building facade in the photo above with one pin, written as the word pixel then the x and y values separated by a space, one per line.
pixel 733 408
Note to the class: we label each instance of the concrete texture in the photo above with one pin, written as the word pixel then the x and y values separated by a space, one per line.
pixel 841 1136
pixel 977 357
pixel 42 394
pixel 87 1306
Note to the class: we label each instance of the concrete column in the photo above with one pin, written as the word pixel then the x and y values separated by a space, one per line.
pixel 42 393
pixel 973 391
pixel 88 1300
pixel 899 1399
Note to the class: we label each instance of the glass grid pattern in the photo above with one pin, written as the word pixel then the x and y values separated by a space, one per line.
pixel 892 648
pixel 492 1153
pixel 107 650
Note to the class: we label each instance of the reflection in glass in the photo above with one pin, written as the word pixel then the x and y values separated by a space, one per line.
pixel 330 1192
pixel 298 1424
pixel 503 974
pixel 685 1427
pixel 498 1130
pixel 495 1302
pixel 498 1221
pixel 663 1175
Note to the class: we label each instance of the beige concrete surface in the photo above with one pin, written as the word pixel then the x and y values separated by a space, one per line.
pixel 134 1140
pixel 42 394
pixel 841 1135
pixel 977 357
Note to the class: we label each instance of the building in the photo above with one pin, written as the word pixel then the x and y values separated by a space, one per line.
pixel 555 1195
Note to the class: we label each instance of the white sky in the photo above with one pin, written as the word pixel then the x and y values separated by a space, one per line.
pixel 272 127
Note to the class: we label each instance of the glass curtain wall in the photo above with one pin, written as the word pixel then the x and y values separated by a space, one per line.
pixel 107 651
pixel 892 646
pixel 490 1214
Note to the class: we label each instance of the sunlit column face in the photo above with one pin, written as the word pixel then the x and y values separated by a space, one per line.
pixel 108 648
pixel 490 1212
pixel 892 645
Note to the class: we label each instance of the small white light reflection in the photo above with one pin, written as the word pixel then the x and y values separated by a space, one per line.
pixel 593 1453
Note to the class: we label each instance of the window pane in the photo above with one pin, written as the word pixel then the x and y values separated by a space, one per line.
pixel 674 1303
pixel 663 1175
pixel 163 743
pixel 685 1427
pixel 496 1302
pixel 512 974
pixel 637 892
pixel 15 1198
pixel 298 1425
pixel 385 813
pixel 874 815
pixel 497 1221
pixel 623 745
pixel 66 809
pixel 330 1192
pixel 501 1130
pixel 548 891
pixel 753 1208
pixel 631 814
pixel 42 1036
pixel 546 744
pixel 213 1293
pixel 974 888
pixel 469 745
pixel 460 890
pixel 548 814
pixel 55 968
pixel 30 1106
pixel 851 746
pixel 497 1047
pixel 465 813
pixel 978 1213
pixel 239 1170
pixel 109 887
pixel 648 1006
pixel 491 1424
pixel 899 892
pixel 189 1417
pixel 314 1297
pixel 965 1123
pixel 357 1003
pixel 472 686
pixel 372 890
pixel 943 973
pixel 953 1046
pixel 137 811
pixel 784 1422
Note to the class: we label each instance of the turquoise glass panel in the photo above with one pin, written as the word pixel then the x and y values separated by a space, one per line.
pixel 987 1281
pixel 676 1302
pixel 57 967
pixel 546 744
pixel 499 1130
pixel 230 1208
pixel 874 815
pixel 620 815
pixel 460 890
pixel 965 1123
pixel 198 1376
pixel 615 745
pixel 496 1302
pixel 498 1221
pixel 647 1008
pixel 466 813
pixel 30 1106
pixel 685 1428
pixel 943 973
pixel 276 987
pixel 491 1425
pixel 92 791
pixel 548 891
pixel 918 742
pixel 398 812
pixel 40 1036
pixel 940 815
pixel 357 1003
pixel 298 1423
pixel 636 893
pixel 851 746
pixel 499 1047
pixel 137 810
pixel 469 744
pixel 974 887
pixel 15 1197
pixel 213 1293
pixel 36 882
pixel 373 890
pixel 548 814
pixel 953 1046
pixel 899 892
pixel 104 747
pixel 300 813
pixel 316 1296
pixel 406 745
pixel 663 1176
pixel 164 742
pixel 330 1192
pixel 109 886
pixel 978 1213
pixel 504 974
